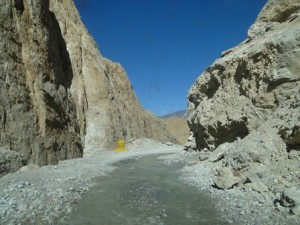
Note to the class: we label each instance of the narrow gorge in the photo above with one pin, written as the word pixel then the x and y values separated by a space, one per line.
pixel 59 96
pixel 63 106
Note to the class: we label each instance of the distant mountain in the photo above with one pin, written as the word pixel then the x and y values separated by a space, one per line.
pixel 178 114
pixel 176 124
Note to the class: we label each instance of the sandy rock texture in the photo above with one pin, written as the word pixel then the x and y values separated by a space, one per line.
pixel 244 110
pixel 178 128
pixel 58 94
pixel 10 161
pixel 104 98
pixel 37 110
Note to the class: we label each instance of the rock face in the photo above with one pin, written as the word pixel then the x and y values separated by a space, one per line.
pixel 244 110
pixel 58 95
pixel 243 89
pixel 38 113
pixel 10 161
pixel 106 105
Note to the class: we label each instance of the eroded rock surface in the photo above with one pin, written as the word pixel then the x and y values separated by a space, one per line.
pixel 103 95
pixel 244 110
pixel 10 161
pixel 38 113
pixel 58 94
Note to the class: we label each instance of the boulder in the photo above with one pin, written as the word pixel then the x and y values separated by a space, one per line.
pixel 225 178
pixel 290 197
pixel 191 143
pixel 10 161
pixel 259 187
pixel 219 153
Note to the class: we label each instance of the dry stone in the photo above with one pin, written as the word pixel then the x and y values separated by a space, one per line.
pixel 225 178
pixel 290 197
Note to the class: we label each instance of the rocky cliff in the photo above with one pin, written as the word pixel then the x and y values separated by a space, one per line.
pixel 58 94
pixel 244 110
pixel 103 95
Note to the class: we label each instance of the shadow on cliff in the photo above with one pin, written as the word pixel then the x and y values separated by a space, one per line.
pixel 63 67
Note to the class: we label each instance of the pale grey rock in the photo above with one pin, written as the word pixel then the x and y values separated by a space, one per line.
pixel 279 11
pixel 250 97
pixel 29 167
pixel 10 161
pixel 245 107
pixel 259 187
pixel 237 94
pixel 169 143
pixel 296 210
pixel 294 154
pixel 203 156
pixel 219 153
pixel 191 143
pixel 290 197
pixel 225 178
pixel 258 173
pixel 190 146
pixel 260 28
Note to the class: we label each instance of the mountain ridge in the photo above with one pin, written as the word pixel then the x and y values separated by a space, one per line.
pixel 180 114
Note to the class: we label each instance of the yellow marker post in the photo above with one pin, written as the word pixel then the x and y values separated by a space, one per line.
pixel 120 146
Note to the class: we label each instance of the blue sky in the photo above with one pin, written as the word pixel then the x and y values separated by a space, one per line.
pixel 164 45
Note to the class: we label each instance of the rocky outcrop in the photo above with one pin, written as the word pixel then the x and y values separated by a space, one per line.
pixel 10 161
pixel 107 107
pixel 244 109
pixel 38 112
pixel 58 95
pixel 243 89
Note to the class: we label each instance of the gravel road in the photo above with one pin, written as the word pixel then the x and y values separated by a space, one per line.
pixel 47 195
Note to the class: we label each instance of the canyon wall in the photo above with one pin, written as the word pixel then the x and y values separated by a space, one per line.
pixel 244 110
pixel 59 97
pixel 244 88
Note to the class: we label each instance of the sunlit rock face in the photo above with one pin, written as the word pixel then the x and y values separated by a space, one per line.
pixel 244 110
pixel 37 109
pixel 58 94
pixel 253 85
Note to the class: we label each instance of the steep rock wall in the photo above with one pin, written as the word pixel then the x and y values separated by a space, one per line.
pixel 244 110
pixel 57 93
pixel 38 114
pixel 243 88
pixel 106 103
